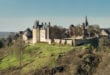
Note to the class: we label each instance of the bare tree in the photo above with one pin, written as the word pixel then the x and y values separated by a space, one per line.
pixel 19 46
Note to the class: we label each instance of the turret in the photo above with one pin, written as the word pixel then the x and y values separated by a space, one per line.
pixel 36 24
pixel 36 32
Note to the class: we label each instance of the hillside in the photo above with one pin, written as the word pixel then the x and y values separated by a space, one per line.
pixel 33 58
pixel 44 59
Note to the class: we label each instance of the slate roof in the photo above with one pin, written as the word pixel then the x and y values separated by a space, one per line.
pixel 37 26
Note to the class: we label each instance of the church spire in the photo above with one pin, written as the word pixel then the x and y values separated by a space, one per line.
pixel 86 21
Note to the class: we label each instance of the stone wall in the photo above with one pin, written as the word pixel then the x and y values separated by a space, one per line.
pixel 72 42
pixel 42 35
pixel 49 41
pixel 69 42
pixel 57 41
pixel 63 41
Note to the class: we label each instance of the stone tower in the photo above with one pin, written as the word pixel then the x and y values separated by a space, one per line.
pixel 36 33
pixel 86 21
pixel 86 25
pixel 42 33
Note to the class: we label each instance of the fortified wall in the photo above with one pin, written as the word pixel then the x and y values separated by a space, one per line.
pixel 74 42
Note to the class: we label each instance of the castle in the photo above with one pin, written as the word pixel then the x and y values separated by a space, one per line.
pixel 39 33
pixel 42 32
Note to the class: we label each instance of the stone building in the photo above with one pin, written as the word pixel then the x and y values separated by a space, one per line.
pixel 40 32
pixel 27 36
pixel 79 31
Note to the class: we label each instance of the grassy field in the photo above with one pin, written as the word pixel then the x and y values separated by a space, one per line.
pixel 34 57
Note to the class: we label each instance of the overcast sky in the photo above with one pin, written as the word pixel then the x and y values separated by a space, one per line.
pixel 18 15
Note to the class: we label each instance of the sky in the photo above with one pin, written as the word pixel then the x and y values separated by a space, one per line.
pixel 17 15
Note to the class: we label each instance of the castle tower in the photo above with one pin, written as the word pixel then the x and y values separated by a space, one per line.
pixel 36 33
pixel 43 33
pixel 40 32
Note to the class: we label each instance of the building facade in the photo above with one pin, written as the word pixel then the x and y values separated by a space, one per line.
pixel 40 32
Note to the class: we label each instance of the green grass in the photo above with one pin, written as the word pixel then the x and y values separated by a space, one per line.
pixel 45 55
pixel 7 62
pixel 35 57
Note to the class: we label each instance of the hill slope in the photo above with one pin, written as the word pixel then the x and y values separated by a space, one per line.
pixel 44 59
pixel 33 58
